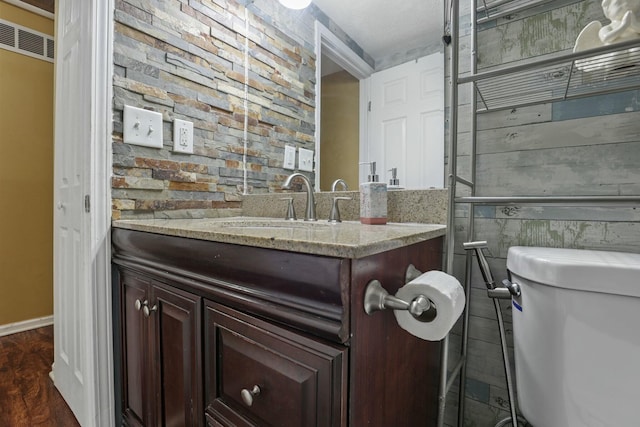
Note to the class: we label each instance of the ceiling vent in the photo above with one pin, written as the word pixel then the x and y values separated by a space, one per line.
pixel 19 39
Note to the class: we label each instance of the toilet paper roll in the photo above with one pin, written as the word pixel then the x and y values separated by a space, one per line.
pixel 447 295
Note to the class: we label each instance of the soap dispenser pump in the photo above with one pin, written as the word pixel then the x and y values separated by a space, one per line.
pixel 394 182
pixel 372 177
pixel 373 199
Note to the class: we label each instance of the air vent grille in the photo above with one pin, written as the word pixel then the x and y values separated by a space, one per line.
pixel 19 39
pixel 50 48
pixel 7 34
pixel 30 42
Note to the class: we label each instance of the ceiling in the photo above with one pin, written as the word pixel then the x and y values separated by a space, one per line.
pixel 382 27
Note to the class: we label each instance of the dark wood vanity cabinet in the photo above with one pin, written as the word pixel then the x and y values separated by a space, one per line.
pixel 248 336
pixel 161 351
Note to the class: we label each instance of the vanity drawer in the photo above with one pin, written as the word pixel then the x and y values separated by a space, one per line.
pixel 287 379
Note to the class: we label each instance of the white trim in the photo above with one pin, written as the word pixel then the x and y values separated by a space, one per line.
pixel 25 325
pixel 100 188
pixel 30 8
pixel 329 44
pixel 365 97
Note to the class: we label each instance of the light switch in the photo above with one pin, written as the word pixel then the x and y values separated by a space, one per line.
pixel 182 136
pixel 142 127
pixel 305 160
pixel 289 157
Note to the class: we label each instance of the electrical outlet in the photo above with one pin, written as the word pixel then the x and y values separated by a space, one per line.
pixel 182 136
pixel 289 157
pixel 305 160
pixel 142 127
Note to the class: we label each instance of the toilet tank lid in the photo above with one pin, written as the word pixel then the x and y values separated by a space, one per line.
pixel 598 271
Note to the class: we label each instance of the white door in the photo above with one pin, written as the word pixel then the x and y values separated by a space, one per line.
pixel 406 123
pixel 73 367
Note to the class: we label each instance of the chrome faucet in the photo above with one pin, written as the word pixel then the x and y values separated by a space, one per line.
pixel 310 211
pixel 337 182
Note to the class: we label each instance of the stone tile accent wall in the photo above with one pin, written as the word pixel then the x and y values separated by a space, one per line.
pixel 185 59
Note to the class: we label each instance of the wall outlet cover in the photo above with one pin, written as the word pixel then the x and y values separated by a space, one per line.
pixel 289 157
pixel 305 160
pixel 142 127
pixel 182 136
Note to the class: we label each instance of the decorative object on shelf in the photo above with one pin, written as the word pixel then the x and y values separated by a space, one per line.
pixel 624 26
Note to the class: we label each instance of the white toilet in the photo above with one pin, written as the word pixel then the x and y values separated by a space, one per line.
pixel 576 331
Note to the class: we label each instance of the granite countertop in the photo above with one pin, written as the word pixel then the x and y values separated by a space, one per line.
pixel 348 239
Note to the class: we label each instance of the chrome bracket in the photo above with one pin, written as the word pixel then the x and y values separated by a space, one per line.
pixel 376 298
pixel 510 290
pixel 411 273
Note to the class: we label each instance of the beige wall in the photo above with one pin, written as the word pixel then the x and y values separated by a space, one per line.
pixel 26 177
pixel 339 147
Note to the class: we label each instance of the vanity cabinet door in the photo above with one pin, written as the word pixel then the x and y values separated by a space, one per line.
pixel 260 375
pixel 161 354
pixel 176 356
pixel 137 388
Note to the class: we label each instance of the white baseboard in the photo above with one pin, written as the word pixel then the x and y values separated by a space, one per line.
pixel 25 325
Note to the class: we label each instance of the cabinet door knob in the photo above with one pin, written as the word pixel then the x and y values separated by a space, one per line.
pixel 248 395
pixel 139 304
pixel 147 311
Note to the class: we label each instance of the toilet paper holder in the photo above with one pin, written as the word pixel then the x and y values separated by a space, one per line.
pixel 376 298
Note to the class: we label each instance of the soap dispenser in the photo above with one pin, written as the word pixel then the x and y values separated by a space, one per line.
pixel 394 182
pixel 373 199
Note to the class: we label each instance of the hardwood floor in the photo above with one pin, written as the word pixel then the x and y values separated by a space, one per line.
pixel 27 395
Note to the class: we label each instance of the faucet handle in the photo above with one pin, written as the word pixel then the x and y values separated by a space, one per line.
pixel 335 212
pixel 291 212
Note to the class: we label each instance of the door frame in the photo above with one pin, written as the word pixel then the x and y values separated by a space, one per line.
pixel 99 331
pixel 330 45
pixel 100 187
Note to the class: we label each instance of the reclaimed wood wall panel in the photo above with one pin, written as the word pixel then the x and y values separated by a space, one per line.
pixel 603 170
pixel 590 234
pixel 587 146
pixel 537 134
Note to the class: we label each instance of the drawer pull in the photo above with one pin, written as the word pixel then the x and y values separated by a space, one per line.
pixel 248 395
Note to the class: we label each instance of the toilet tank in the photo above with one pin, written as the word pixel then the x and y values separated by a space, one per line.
pixel 576 329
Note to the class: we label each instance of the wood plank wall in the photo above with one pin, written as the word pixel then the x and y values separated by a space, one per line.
pixel 47 5
pixel 589 146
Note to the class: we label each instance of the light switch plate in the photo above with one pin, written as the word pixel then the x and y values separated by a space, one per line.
pixel 289 157
pixel 305 160
pixel 142 127
pixel 182 136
